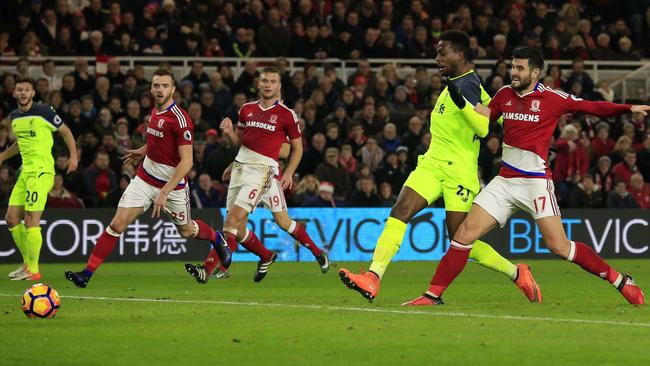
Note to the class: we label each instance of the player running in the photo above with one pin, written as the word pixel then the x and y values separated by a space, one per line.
pixel 263 127
pixel 33 124
pixel 274 200
pixel 530 114
pixel 160 180
pixel 448 169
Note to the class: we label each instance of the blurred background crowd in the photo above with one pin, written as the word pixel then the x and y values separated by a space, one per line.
pixel 363 133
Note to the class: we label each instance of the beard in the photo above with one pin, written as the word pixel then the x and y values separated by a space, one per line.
pixel 164 101
pixel 524 83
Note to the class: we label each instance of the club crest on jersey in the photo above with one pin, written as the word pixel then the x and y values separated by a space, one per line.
pixel 161 123
pixel 273 118
pixel 534 106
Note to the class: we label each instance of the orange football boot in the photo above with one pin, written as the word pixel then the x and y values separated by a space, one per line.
pixel 366 283
pixel 527 284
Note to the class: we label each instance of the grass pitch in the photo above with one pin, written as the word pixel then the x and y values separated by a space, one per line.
pixel 156 314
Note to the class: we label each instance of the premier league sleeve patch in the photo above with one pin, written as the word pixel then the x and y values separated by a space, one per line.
pixel 187 135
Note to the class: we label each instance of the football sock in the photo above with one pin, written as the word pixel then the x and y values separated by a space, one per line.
pixel 451 264
pixel 299 233
pixel 33 242
pixel 18 233
pixel 203 231
pixel 231 239
pixel 486 256
pixel 103 248
pixel 387 245
pixel 212 261
pixel 253 244
pixel 582 255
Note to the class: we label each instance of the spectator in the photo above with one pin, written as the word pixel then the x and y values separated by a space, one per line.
pixel 621 147
pixel 392 171
pixel 99 180
pixel 602 144
pixel 333 135
pixel 365 195
pixel 386 196
pixel 389 139
pixel 60 197
pixel 640 191
pixel 50 74
pixel 325 197
pixel 604 91
pixel 619 197
pixel 579 75
pixel 401 110
pixel 571 162
pixel 625 51
pixel 624 170
pixel 6 185
pixel 273 37
pixel 586 194
pixel 603 50
pixel 114 72
pixel 205 195
pixel 347 160
pixel 307 188
pixel 330 171
pixel 122 137
pixel 371 154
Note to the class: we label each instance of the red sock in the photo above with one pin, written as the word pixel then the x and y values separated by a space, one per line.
pixel 300 234
pixel 591 262
pixel 451 264
pixel 103 248
pixel 254 245
pixel 231 241
pixel 212 261
pixel 205 231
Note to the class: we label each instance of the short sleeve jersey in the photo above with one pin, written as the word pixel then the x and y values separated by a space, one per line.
pixel 33 130
pixel 166 131
pixel 264 131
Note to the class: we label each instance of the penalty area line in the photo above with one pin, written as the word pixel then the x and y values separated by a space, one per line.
pixel 359 310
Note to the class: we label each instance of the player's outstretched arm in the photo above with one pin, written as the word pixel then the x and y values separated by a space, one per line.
pixel 183 167
pixel 68 137
pixel 639 108
pixel 602 109
pixel 294 160
pixel 12 151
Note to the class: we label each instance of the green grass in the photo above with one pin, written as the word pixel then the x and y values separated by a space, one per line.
pixel 241 322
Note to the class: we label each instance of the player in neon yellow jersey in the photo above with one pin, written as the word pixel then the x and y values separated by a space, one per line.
pixel 448 169
pixel 33 124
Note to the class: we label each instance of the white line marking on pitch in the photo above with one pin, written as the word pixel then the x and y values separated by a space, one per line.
pixel 361 310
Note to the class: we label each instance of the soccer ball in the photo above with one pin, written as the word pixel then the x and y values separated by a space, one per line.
pixel 40 301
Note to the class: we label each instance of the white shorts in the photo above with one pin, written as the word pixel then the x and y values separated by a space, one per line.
pixel 249 184
pixel 502 197
pixel 142 194
pixel 273 199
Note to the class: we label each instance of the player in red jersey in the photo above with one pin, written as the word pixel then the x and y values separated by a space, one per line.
pixel 161 180
pixel 263 127
pixel 530 114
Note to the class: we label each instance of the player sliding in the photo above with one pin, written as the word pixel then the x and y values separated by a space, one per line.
pixel 33 124
pixel 530 114
pixel 263 127
pixel 448 169
pixel 161 180
pixel 274 200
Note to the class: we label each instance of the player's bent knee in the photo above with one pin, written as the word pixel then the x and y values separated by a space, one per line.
pixel 467 232
pixel 12 220
pixel 401 211
pixel 186 231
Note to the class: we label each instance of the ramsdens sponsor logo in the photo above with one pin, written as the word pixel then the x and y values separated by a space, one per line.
pixel 521 117
pixel 262 125
pixel 154 132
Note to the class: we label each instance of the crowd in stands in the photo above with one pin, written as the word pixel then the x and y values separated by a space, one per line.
pixel 362 135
